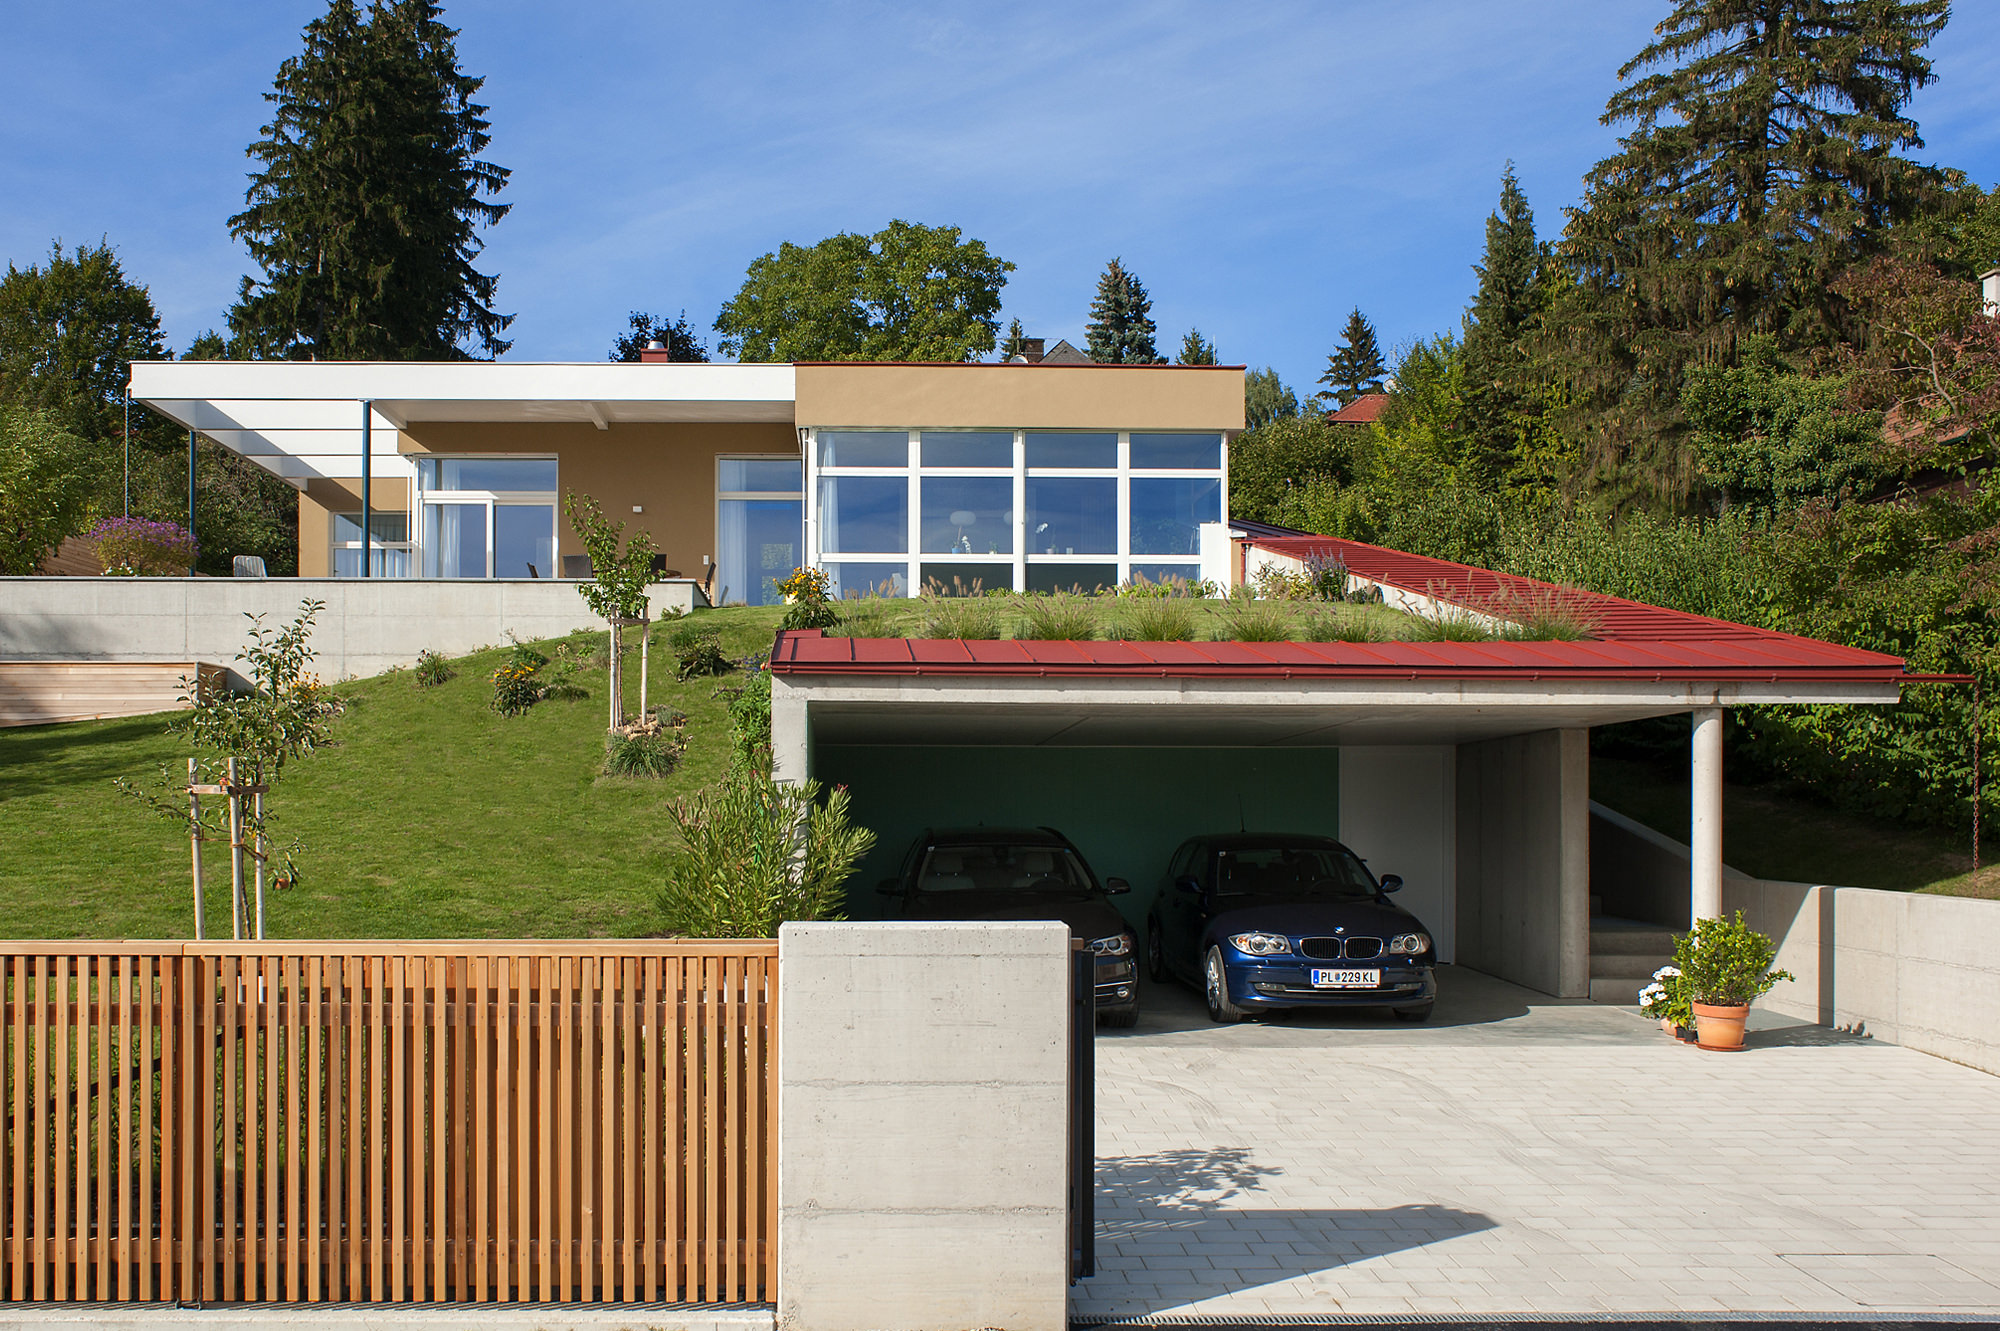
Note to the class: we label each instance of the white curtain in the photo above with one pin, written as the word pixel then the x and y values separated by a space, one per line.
pixel 734 566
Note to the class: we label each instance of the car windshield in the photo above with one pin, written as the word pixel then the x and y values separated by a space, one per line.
pixel 1305 872
pixel 1005 868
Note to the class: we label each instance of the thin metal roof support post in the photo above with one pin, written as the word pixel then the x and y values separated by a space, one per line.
pixel 1975 773
pixel 367 450
pixel 128 450
pixel 191 499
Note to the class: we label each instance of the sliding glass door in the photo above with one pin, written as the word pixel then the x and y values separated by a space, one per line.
pixel 488 517
pixel 759 526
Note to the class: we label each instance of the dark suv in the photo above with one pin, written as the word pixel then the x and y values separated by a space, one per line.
pixel 1023 873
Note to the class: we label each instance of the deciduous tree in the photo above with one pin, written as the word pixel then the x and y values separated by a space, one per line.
pixel 1266 399
pixel 907 293
pixel 49 480
pixel 69 332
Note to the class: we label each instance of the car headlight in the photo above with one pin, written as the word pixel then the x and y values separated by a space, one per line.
pixel 1261 945
pixel 1118 945
pixel 1409 945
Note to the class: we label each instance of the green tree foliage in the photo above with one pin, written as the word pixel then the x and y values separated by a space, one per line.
pixel 1931 356
pixel 679 338
pixel 756 854
pixel 1195 349
pixel 365 208
pixel 1502 401
pixel 1271 459
pixel 1121 328
pixel 1266 399
pixel 1420 430
pixel 69 332
pixel 1769 437
pixel 1760 159
pixel 1355 367
pixel 49 482
pixel 907 293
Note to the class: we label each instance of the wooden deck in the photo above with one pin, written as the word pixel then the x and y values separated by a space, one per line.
pixel 35 693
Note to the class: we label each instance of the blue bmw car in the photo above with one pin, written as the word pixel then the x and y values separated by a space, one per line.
pixel 1272 923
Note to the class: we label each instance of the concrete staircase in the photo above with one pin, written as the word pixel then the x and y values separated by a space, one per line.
pixel 1623 956
pixel 35 693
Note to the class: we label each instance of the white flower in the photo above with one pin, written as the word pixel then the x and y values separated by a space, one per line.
pixel 1667 973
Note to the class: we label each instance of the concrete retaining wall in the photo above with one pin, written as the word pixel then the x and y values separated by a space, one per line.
pixel 368 625
pixel 1915 970
pixel 923 1089
pixel 1524 860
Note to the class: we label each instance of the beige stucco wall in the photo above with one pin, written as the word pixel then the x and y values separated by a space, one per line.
pixel 667 469
pixel 1040 397
pixel 322 498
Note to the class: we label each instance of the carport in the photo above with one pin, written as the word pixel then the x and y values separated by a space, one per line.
pixel 1462 766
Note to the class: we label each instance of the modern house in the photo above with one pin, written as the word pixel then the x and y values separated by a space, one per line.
pixel 1026 475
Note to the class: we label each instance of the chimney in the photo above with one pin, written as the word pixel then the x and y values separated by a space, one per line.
pixel 1989 292
pixel 1031 347
pixel 655 352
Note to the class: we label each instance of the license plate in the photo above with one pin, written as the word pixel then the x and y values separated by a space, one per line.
pixel 1346 979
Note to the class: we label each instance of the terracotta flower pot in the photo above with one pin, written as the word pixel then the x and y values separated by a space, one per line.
pixel 1720 1027
pixel 1667 1025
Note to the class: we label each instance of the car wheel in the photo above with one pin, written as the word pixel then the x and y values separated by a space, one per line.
pixel 1156 954
pixel 1215 986
pixel 1123 1018
pixel 1414 1013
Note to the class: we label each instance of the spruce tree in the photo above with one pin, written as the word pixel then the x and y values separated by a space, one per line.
pixel 364 212
pixel 1121 327
pixel 1195 349
pixel 1355 367
pixel 1761 160
pixel 1010 345
pixel 1496 329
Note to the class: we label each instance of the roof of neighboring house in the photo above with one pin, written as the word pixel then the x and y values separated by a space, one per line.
pixel 1062 353
pixel 1631 641
pixel 1364 410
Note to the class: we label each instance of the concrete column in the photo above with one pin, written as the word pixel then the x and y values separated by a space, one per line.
pixel 1573 860
pixel 923 1121
pixel 790 743
pixel 1705 821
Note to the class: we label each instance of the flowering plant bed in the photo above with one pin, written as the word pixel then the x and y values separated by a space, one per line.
pixel 129 547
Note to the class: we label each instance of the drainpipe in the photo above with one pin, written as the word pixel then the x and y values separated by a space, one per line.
pixel 1705 823
pixel 367 448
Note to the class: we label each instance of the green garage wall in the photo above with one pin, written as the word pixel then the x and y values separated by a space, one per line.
pixel 1126 809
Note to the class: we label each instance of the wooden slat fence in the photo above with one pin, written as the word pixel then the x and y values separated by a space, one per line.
pixel 408 1122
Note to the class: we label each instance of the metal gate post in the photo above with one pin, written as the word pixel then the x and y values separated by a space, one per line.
pixel 1083 1113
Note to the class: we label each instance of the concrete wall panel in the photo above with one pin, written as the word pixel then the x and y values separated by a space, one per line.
pixel 1397 811
pixel 1524 859
pixel 923 1074
pixel 368 625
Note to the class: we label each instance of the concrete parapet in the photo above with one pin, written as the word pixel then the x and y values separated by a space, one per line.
pixel 923 1084
pixel 368 625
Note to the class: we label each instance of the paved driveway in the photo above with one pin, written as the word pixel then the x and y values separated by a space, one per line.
pixel 1526 1155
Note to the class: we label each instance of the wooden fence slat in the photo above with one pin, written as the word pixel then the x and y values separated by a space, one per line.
pixel 320 1122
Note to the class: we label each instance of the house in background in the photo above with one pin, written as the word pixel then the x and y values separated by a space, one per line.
pixel 1028 475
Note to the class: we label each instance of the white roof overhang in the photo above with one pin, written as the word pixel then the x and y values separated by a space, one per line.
pixel 302 419
pixel 1240 713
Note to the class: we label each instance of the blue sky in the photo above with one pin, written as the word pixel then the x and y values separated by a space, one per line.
pixel 1262 167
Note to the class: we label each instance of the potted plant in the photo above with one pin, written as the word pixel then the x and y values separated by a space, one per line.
pixel 1665 1000
pixel 1724 965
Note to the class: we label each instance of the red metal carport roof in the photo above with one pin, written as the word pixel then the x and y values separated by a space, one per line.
pixel 1631 641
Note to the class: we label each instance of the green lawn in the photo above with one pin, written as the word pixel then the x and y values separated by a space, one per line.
pixel 1770 833
pixel 431 816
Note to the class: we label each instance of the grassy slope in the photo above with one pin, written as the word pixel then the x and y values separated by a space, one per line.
pixel 433 816
pixel 1771 834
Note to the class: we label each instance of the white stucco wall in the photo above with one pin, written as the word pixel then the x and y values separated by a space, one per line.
pixel 1398 812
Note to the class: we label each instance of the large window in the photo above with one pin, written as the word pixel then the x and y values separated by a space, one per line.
pixel 1029 510
pixel 487 517
pixel 388 546
pixel 759 526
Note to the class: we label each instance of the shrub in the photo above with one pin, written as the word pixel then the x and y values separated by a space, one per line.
pixel 963 614
pixel 750 722
pixel 140 546
pixel 527 677
pixel 1343 625
pixel 1147 618
pixel 698 651
pixel 432 669
pixel 1056 617
pixel 756 854
pixel 515 689
pixel 1725 963
pixel 652 752
pixel 811 605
